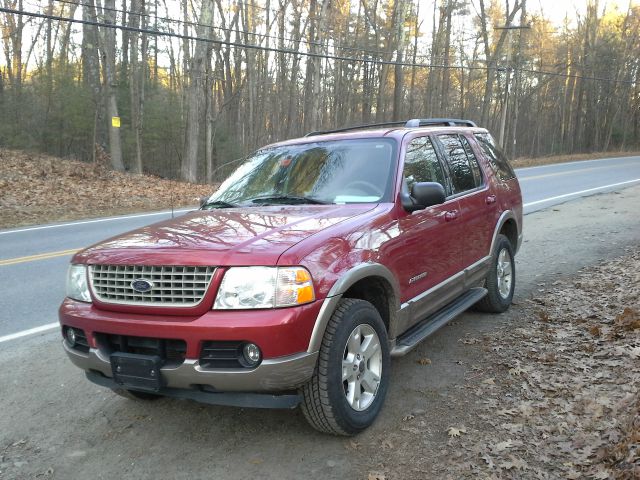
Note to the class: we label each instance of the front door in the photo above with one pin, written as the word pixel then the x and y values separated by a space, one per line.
pixel 429 254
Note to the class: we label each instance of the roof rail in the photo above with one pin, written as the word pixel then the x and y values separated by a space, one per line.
pixel 354 127
pixel 413 123
pixel 448 122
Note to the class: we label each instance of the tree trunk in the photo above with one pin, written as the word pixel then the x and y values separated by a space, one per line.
pixel 398 87
pixel 195 94
pixel 108 39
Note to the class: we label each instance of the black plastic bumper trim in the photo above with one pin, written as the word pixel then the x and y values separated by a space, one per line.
pixel 231 399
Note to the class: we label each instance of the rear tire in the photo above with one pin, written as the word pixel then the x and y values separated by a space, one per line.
pixel 501 279
pixel 351 378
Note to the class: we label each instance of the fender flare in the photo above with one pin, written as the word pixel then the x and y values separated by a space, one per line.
pixel 506 215
pixel 348 279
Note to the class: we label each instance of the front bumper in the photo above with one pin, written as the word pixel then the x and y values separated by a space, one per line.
pixel 272 375
pixel 282 335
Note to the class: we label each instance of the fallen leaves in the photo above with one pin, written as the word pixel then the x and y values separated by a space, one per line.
pixel 42 189
pixel 456 431
pixel 376 476
pixel 558 396
pixel 424 361
pixel 628 320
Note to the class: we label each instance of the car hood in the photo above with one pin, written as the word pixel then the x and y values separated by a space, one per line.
pixel 234 236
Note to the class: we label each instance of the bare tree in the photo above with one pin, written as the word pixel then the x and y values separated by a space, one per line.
pixel 195 93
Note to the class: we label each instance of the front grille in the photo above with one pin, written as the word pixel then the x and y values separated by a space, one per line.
pixel 170 350
pixel 227 354
pixel 174 286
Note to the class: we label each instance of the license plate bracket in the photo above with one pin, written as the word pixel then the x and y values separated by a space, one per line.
pixel 137 372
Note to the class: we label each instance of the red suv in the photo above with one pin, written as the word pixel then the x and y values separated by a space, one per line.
pixel 313 264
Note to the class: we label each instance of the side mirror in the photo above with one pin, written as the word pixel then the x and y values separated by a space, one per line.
pixel 423 195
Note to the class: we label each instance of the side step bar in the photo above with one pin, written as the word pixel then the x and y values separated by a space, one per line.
pixel 416 334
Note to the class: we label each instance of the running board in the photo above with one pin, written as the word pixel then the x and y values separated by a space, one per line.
pixel 416 334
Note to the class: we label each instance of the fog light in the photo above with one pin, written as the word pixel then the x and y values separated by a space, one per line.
pixel 71 336
pixel 251 353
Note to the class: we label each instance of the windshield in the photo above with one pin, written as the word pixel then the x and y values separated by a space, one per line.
pixel 345 171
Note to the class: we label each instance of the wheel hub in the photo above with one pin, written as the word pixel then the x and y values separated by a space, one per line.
pixel 504 272
pixel 362 367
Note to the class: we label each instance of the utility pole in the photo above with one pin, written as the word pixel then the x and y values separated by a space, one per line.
pixel 507 69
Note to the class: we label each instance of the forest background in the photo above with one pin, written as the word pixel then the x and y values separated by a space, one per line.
pixel 183 88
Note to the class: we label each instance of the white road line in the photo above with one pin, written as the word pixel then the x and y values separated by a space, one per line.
pixel 97 220
pixel 589 190
pixel 51 326
pixel 579 162
pixel 31 331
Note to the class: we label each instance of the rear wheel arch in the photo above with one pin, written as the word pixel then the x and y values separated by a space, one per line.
pixel 510 230
pixel 506 225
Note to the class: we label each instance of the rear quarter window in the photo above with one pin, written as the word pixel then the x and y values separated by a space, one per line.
pixel 496 157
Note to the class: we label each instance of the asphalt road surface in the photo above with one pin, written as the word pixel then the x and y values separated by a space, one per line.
pixel 34 260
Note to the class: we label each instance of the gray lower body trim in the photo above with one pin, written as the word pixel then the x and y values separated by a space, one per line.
pixel 283 373
pixel 440 295
pixel 328 307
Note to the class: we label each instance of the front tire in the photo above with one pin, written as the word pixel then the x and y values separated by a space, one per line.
pixel 351 379
pixel 501 279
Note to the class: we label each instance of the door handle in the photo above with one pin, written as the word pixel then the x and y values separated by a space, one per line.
pixel 451 215
pixel 490 199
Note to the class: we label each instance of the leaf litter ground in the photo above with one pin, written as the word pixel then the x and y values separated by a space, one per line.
pixel 37 189
pixel 556 396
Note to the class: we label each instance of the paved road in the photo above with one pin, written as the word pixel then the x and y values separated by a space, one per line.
pixel 33 260
pixel 550 185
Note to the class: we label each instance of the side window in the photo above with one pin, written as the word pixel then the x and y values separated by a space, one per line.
pixel 473 161
pixel 421 163
pixel 462 175
pixel 497 159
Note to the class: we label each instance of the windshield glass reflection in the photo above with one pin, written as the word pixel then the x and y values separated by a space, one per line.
pixel 345 171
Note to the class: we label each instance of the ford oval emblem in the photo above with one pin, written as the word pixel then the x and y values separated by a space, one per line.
pixel 142 285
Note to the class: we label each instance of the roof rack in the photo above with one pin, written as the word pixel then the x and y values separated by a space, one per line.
pixel 354 127
pixel 447 122
pixel 413 123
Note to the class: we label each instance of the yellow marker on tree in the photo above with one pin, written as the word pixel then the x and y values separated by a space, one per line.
pixel 115 122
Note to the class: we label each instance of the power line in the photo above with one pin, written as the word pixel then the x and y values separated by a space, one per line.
pixel 294 52
pixel 237 44
pixel 232 30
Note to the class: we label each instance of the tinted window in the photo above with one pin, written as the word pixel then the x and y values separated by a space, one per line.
pixel 497 160
pixel 421 163
pixel 473 161
pixel 460 169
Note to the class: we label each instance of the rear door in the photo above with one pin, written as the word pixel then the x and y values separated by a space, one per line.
pixel 477 204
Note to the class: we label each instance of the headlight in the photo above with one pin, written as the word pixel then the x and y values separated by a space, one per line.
pixel 264 287
pixel 77 287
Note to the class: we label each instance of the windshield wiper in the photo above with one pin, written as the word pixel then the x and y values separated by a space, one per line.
pixel 285 198
pixel 218 204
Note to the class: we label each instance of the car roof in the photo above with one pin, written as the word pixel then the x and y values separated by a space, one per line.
pixel 365 132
